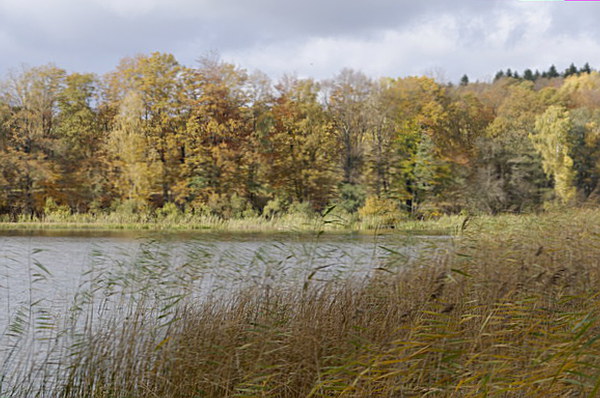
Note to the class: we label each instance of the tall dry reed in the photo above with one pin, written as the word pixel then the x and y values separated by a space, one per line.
pixel 512 311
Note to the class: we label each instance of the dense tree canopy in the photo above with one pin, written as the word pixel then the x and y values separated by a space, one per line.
pixel 214 138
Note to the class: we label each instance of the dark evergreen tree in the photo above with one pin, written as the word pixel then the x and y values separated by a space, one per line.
pixel 552 72
pixel 571 70
pixel 464 80
pixel 586 68
pixel 528 75
pixel 499 75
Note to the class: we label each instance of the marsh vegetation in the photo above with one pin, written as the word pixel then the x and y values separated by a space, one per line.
pixel 507 307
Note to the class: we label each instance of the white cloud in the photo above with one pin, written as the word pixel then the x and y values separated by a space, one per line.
pixel 514 37
pixel 140 8
pixel 313 38
pixel 6 42
pixel 389 52
pixel 129 8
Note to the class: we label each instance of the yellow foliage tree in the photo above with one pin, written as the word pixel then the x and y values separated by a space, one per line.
pixel 550 139
pixel 131 153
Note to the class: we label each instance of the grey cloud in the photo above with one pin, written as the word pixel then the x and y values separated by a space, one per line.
pixel 575 17
pixel 90 36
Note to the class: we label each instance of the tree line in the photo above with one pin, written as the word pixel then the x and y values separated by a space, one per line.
pixel 215 139
pixel 530 75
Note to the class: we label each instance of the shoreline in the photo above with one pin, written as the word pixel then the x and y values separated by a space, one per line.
pixel 443 226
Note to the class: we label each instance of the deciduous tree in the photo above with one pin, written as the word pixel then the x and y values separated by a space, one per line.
pixel 551 140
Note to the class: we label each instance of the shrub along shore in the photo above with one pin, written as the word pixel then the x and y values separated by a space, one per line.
pixel 512 309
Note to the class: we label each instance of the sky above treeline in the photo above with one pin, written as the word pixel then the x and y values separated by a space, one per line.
pixel 311 38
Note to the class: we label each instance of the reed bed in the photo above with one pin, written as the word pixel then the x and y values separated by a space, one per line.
pixel 513 310
pixel 284 223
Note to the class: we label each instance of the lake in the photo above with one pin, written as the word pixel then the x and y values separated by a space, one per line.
pixel 52 265
pixel 50 278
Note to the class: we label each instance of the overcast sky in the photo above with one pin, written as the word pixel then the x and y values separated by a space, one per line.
pixel 317 38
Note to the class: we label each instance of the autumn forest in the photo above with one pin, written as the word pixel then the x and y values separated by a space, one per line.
pixel 216 139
